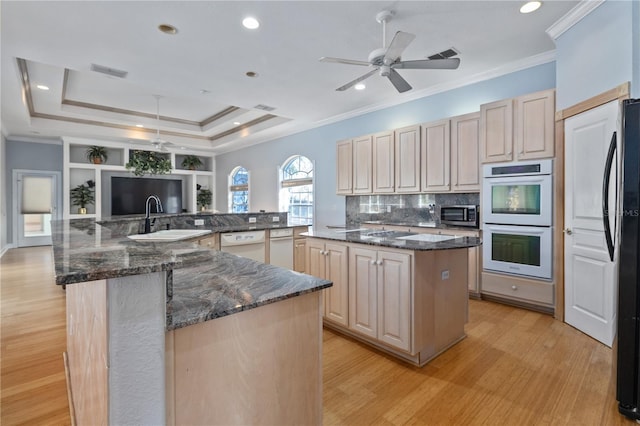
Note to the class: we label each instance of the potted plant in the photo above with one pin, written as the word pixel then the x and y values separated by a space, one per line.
pixel 191 162
pixel 204 198
pixel 148 162
pixel 97 154
pixel 82 195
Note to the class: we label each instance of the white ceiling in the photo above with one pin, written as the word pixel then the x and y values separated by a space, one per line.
pixel 57 41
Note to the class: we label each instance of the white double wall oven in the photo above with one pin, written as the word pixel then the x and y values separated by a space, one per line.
pixel 517 215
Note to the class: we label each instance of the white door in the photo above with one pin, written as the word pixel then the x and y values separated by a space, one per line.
pixel 35 205
pixel 590 274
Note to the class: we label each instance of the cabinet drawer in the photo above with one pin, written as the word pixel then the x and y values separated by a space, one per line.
pixel 537 292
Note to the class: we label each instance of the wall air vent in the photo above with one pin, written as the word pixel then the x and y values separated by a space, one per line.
pixel 449 53
pixel 264 107
pixel 109 71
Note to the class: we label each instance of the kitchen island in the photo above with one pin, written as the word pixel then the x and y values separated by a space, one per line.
pixel 402 292
pixel 175 333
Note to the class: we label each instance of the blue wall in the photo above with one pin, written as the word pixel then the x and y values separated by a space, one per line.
pixel 28 156
pixel 318 144
pixel 597 53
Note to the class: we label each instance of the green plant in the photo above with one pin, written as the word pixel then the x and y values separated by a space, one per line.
pixel 97 154
pixel 82 195
pixel 148 162
pixel 204 197
pixel 191 162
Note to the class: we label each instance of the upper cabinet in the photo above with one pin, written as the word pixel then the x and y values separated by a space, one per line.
pixel 363 165
pixel 344 167
pixel 436 156
pixel 465 153
pixel 407 159
pixel 519 128
pixel 383 163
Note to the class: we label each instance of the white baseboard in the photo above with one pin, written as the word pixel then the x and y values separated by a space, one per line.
pixel 6 248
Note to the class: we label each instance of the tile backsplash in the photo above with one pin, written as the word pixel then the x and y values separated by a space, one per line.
pixel 409 208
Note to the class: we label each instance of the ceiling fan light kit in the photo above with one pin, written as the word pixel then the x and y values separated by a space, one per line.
pixel 387 58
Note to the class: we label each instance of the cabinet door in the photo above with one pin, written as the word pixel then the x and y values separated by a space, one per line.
pixel 337 296
pixel 344 167
pixel 362 165
pixel 435 156
pixel 465 153
pixel 383 163
pixel 314 258
pixel 407 141
pixel 534 125
pixel 299 248
pixel 394 299
pixel 212 242
pixel 474 270
pixel 496 131
pixel 363 307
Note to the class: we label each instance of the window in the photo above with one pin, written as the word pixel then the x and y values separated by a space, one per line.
pixel 296 190
pixel 239 190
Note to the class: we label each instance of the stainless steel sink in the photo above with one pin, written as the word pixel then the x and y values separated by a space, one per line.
pixel 170 235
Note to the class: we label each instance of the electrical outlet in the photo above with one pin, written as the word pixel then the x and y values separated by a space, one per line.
pixel 388 209
pixel 252 220
pixel 445 274
pixel 199 222
pixel 276 218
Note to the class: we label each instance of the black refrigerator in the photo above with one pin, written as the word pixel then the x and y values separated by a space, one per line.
pixel 628 349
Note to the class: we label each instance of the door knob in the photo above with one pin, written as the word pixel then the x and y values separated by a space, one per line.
pixel 568 231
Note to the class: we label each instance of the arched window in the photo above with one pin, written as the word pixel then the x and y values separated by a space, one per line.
pixel 296 190
pixel 239 190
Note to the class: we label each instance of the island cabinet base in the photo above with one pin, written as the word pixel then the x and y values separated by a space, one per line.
pixel 260 367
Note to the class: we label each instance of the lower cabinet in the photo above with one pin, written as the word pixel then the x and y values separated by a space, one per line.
pixel 329 261
pixel 299 248
pixel 212 241
pixel 380 296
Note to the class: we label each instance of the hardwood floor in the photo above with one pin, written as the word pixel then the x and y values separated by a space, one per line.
pixel 516 367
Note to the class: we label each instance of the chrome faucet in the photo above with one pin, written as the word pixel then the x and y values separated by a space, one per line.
pixel 147 219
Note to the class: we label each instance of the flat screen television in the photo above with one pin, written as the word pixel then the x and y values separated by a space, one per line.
pixel 128 195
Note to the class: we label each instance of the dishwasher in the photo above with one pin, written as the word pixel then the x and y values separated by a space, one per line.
pixel 249 244
pixel 281 247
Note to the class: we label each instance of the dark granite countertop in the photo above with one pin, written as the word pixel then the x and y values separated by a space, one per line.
pixel 393 239
pixel 202 284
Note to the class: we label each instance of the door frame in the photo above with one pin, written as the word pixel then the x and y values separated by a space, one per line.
pixel 16 198
pixel 620 93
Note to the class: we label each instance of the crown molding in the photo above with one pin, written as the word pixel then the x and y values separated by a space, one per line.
pixel 572 17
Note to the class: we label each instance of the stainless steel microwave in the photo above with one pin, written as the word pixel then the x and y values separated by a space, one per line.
pixel 468 215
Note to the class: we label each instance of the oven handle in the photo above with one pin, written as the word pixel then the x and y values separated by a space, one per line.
pixel 605 195
pixel 517 230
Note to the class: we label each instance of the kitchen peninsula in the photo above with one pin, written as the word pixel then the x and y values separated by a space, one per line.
pixel 175 333
pixel 402 292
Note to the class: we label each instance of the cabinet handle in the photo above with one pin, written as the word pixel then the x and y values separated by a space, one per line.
pixel 373 262
pixel 379 262
pixel 514 287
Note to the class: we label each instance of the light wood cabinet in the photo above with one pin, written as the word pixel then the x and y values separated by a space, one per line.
pixel 383 163
pixel 329 261
pixel 435 154
pixel 212 241
pixel 407 159
pixel 521 128
pixel 363 165
pixel 299 249
pixel 344 167
pixel 465 153
pixel 380 295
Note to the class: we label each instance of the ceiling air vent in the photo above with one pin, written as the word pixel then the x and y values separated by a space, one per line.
pixel 264 107
pixel 445 54
pixel 108 71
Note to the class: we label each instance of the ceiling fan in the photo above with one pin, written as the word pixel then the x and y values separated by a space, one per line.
pixel 387 59
pixel 157 142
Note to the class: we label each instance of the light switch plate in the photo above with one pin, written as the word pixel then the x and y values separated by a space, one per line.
pixel 199 222
pixel 252 220
pixel 275 218
pixel 445 274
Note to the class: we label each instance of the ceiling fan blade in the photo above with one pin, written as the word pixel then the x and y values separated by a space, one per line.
pixel 343 61
pixel 399 83
pixel 357 80
pixel 428 64
pixel 400 42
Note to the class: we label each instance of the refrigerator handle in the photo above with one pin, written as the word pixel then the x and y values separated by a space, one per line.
pixel 605 195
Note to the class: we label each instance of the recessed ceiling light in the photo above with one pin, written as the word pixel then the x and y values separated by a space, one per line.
pixel 236 123
pixel 168 29
pixel 530 6
pixel 251 74
pixel 360 86
pixel 139 125
pixel 42 87
pixel 250 23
